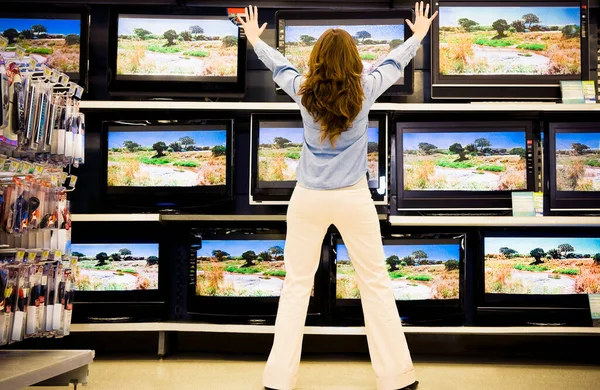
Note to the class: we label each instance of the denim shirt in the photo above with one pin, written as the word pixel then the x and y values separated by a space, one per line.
pixel 322 167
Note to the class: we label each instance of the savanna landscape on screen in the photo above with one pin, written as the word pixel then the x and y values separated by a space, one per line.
pixel 116 267
pixel 279 153
pixel 418 272
pixel 240 268
pixel 542 265
pixel 509 40
pixel 177 47
pixel 464 161
pixel 167 158
pixel 52 42
pixel 578 161
pixel 374 43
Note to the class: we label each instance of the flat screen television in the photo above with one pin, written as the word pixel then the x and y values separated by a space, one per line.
pixel 574 168
pixel 426 273
pixel 275 145
pixel 168 164
pixel 175 52
pixel 122 273
pixel 533 277
pixel 238 277
pixel 463 166
pixel 376 33
pixel 57 38
pixel 510 50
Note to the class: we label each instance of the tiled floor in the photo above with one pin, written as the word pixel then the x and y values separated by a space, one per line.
pixel 329 373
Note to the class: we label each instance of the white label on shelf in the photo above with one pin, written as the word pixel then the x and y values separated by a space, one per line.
pixel 4 323
pixel 18 326
pixel 49 317
pixel 31 319
pixel 57 315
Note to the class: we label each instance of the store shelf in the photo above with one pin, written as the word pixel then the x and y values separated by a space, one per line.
pixel 496 221
pixel 401 107
pixel 331 331
pixel 115 217
pixel 23 368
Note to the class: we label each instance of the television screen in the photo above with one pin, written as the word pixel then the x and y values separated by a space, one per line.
pixel 505 40
pixel 240 268
pixel 418 271
pixel 54 41
pixel 374 40
pixel 184 48
pixel 578 161
pixel 542 265
pixel 160 156
pixel 464 161
pixel 280 145
pixel 116 267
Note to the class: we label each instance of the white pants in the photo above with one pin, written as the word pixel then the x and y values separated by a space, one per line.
pixel 352 211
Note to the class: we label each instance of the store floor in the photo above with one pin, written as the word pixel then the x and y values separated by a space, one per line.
pixel 225 372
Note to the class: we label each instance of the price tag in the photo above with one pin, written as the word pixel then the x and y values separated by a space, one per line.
pixel 79 92
pixel 14 166
pixel 64 79
pixel 47 71
pixel 54 180
pixel 32 63
pixel 72 88
pixel 20 255
pixel 3 42
pixel 20 50
pixel 2 162
pixel 63 177
pixel 38 170
pixel 31 256
pixel 55 76
pixel 26 167
pixel 57 255
pixel 73 181
pixel 45 255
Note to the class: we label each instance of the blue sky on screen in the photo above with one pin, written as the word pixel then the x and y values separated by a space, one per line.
pixel 485 16
pixel 148 138
pixel 137 250
pixel 378 32
pixel 564 140
pixel 296 135
pixel 434 251
pixel 506 140
pixel 237 247
pixel 219 28
pixel 54 26
pixel 525 245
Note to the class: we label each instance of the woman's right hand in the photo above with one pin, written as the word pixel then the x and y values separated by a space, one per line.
pixel 422 21
pixel 250 25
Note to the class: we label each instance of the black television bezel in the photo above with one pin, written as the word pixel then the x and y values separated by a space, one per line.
pixel 126 305
pixel 452 201
pixel 413 312
pixel 56 12
pixel 167 198
pixel 523 309
pixel 147 89
pixel 580 202
pixel 281 194
pixel 254 310
pixel 515 87
pixel 401 14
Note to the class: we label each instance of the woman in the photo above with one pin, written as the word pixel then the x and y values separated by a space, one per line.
pixel 335 99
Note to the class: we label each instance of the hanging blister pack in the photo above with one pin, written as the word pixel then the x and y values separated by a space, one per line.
pixel 22 299
pixel 33 304
pixel 59 292
pixel 5 310
pixel 4 99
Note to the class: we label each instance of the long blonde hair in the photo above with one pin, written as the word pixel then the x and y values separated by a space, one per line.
pixel 332 91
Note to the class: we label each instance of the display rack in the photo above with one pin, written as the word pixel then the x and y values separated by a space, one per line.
pixel 21 368
pixel 496 221
pixel 399 107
